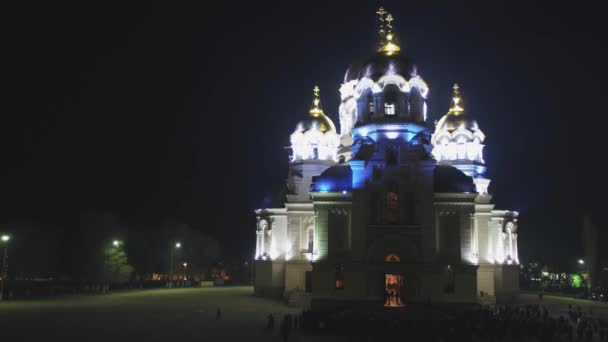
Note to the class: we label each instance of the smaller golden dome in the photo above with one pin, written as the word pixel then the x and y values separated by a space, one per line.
pixel 456 116
pixel 316 117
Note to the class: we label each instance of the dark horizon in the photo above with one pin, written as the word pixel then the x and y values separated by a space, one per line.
pixel 182 114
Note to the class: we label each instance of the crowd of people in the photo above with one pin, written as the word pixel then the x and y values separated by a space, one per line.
pixel 504 323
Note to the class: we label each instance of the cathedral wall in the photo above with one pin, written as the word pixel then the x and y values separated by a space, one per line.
pixel 358 224
pixel 269 278
pixel 484 235
pixel 507 283
pixel 280 242
pixel 466 235
pixel 425 209
pixel 449 233
pixel 295 275
pixel 486 279
pixel 465 287
pixel 338 233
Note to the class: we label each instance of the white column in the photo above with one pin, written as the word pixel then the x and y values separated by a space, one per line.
pixel 258 237
pixel 515 252
pixel 490 239
pixel 474 242
pixel 268 243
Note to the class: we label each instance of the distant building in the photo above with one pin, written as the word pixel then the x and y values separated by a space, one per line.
pixel 392 209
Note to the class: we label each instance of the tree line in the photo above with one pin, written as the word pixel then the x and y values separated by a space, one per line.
pixel 101 247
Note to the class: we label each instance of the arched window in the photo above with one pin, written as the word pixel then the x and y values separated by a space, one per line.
pixel 265 239
pixel 392 258
pixel 391 204
pixel 310 239
pixel 392 207
pixel 389 108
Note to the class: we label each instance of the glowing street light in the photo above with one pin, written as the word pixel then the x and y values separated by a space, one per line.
pixel 581 261
pixel 116 243
pixel 4 272
pixel 177 245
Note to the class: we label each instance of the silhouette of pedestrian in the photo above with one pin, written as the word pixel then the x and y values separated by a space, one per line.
pixel 286 327
pixel 218 314
pixel 270 324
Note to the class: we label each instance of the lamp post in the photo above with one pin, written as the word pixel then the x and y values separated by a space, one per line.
pixel 107 277
pixel 585 268
pixel 5 239
pixel 177 245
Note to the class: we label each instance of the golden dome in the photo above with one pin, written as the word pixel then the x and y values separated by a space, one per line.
pixel 456 116
pixel 316 118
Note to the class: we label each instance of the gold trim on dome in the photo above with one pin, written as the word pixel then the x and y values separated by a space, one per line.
pixel 456 109
pixel 388 42
pixel 316 110
pixel 316 113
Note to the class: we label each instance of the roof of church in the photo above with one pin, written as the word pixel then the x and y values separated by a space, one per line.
pixel 335 179
pixel 451 180
pixel 389 58
pixel 380 65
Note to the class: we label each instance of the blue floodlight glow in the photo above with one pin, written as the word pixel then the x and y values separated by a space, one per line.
pixel 335 179
pixel 392 135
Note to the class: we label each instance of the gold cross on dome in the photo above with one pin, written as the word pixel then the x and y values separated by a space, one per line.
pixel 389 19
pixel 456 87
pixel 381 12
pixel 316 91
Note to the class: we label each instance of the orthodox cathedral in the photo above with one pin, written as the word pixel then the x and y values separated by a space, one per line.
pixel 391 209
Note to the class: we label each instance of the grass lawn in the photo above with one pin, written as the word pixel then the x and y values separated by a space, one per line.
pixel 148 315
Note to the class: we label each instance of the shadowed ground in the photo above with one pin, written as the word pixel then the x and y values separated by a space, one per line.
pixel 149 315
pixel 558 306
pixel 180 315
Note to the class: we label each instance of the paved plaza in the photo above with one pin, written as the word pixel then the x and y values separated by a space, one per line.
pixel 149 315
pixel 177 315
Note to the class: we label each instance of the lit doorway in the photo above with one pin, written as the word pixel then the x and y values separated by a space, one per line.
pixel 393 290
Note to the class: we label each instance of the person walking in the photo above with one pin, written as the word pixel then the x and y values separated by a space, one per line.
pixel 218 314
pixel 270 324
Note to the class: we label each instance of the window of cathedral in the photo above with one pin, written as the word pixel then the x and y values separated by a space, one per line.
pixel 340 277
pixel 372 107
pixel 392 258
pixel 389 108
pixel 392 207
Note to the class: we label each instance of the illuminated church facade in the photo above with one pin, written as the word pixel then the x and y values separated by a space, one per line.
pixel 391 209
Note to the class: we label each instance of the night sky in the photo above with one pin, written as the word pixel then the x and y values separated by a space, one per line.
pixel 183 113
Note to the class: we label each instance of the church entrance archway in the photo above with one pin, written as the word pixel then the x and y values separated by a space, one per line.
pixel 393 290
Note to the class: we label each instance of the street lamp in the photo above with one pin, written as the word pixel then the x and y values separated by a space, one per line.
pixel 4 272
pixel 116 243
pixel 177 245
pixel 581 261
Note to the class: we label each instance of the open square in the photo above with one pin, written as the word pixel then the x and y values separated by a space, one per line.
pixel 151 315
